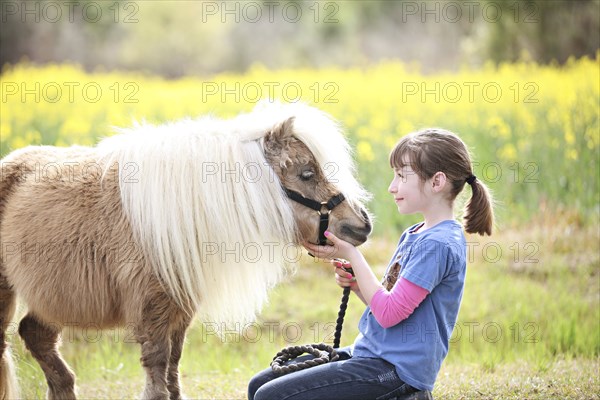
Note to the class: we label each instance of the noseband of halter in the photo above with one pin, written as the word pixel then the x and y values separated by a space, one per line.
pixel 318 207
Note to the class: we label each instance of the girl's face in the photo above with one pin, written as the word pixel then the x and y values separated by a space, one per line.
pixel 407 189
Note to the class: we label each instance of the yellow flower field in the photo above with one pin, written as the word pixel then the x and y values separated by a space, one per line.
pixel 533 130
pixel 529 320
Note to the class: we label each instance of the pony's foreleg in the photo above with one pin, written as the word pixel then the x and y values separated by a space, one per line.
pixel 177 339
pixel 42 341
pixel 155 353
pixel 153 334
pixel 8 379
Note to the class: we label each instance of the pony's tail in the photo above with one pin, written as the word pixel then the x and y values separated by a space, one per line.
pixel 479 212
pixel 8 379
pixel 9 175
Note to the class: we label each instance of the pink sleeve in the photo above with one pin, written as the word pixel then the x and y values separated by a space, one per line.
pixel 389 308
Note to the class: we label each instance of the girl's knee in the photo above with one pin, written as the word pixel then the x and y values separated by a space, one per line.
pixel 253 387
pixel 266 392
pixel 257 382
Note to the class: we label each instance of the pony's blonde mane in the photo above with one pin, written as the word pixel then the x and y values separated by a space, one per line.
pixel 208 210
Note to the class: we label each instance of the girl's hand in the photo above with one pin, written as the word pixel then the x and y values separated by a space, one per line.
pixel 340 248
pixel 346 251
pixel 342 277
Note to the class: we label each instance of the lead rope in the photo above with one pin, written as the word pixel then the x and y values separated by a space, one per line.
pixel 340 320
pixel 322 352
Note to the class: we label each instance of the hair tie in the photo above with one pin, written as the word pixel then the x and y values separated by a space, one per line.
pixel 471 180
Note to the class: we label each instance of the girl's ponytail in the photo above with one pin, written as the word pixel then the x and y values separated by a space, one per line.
pixel 479 214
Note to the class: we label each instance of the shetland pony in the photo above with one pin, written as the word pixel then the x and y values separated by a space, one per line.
pixel 158 224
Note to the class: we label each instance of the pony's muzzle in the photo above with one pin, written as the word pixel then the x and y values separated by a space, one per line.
pixel 357 234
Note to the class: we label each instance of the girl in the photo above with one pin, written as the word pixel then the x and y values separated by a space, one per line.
pixel 405 330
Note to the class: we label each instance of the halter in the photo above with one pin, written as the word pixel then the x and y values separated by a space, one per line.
pixel 318 207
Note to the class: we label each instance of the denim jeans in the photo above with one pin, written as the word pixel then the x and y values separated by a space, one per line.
pixel 349 378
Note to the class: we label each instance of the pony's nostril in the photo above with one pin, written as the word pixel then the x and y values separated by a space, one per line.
pixel 367 220
pixel 364 214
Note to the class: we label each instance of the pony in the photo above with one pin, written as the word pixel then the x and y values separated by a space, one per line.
pixel 159 224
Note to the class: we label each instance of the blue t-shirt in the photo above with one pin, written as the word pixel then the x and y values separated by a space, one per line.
pixel 434 259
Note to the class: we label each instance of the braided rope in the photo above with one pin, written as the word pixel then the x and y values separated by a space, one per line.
pixel 323 353
pixel 340 320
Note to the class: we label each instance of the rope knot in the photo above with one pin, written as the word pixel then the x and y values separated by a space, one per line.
pixel 322 352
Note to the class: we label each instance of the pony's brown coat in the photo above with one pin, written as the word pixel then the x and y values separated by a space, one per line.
pixel 69 252
pixel 75 262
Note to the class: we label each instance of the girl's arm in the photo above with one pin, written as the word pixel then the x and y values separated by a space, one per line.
pixel 367 282
pixel 360 296
pixel 345 279
pixel 389 308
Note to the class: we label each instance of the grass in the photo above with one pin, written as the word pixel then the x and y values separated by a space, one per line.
pixel 528 327
pixel 560 379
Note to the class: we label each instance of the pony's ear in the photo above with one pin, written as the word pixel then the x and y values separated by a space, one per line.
pixel 282 132
pixel 277 141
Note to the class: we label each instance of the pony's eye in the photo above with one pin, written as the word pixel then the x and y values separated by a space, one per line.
pixel 307 175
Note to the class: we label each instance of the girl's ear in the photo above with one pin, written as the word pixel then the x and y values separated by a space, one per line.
pixel 438 181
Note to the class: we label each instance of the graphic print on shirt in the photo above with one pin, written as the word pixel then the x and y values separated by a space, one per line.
pixel 390 278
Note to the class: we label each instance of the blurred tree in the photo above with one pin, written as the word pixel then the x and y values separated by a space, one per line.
pixel 546 30
pixel 175 38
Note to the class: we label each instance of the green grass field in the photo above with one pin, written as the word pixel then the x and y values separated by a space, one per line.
pixel 528 327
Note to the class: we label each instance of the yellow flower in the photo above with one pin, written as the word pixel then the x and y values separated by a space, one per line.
pixel 365 151
pixel 32 136
pixel 365 132
pixel 508 152
pixel 499 128
pixel 5 130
